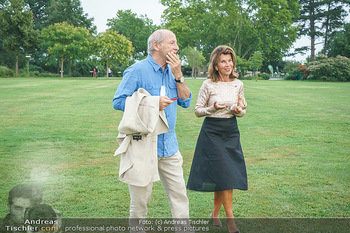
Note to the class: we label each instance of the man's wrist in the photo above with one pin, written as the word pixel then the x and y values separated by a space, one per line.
pixel 178 75
pixel 180 80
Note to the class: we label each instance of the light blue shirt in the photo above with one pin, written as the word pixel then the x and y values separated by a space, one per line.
pixel 149 75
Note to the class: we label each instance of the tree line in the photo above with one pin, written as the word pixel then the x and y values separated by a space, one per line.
pixel 58 35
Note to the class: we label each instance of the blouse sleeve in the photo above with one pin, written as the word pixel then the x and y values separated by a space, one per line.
pixel 241 102
pixel 202 108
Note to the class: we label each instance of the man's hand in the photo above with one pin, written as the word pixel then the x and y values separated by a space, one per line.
pixel 182 89
pixel 175 63
pixel 164 101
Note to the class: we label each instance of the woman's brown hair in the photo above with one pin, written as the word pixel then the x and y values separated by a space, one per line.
pixel 214 57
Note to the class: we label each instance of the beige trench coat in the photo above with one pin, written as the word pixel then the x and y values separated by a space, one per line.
pixel 141 123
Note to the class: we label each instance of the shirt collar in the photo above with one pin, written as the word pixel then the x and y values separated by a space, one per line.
pixel 155 65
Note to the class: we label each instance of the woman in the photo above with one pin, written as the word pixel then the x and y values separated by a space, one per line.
pixel 218 164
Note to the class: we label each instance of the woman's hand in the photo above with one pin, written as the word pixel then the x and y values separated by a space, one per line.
pixel 236 110
pixel 219 107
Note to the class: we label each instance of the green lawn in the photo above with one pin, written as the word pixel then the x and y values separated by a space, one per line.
pixel 61 132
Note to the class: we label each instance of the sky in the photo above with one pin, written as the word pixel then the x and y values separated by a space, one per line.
pixel 102 10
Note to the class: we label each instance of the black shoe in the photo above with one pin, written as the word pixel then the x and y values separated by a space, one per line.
pixel 212 220
pixel 229 226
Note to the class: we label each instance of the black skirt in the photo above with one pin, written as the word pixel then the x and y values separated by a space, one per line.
pixel 218 162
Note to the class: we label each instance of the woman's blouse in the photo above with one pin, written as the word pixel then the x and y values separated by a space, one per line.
pixel 229 93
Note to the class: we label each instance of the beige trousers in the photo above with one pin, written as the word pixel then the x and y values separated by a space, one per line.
pixel 171 176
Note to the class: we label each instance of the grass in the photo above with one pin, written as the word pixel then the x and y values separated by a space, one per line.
pixel 295 138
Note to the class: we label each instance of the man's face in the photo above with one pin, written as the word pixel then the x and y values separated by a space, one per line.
pixel 18 208
pixel 169 44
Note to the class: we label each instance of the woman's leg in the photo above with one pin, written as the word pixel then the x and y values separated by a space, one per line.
pixel 226 198
pixel 216 209
pixel 217 204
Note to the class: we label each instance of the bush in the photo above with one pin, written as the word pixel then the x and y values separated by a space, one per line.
pixel 330 69
pixel 303 71
pixel 249 77
pixel 292 75
pixel 76 74
pixel 26 73
pixel 265 76
pixel 291 70
pixel 6 72
pixel 290 66
pixel 50 75
pixel 9 73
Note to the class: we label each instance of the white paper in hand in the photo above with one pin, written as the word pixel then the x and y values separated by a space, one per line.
pixel 162 91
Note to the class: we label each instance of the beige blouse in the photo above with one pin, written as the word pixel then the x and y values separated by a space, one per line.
pixel 229 93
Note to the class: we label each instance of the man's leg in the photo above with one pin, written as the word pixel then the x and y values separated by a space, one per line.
pixel 139 198
pixel 171 175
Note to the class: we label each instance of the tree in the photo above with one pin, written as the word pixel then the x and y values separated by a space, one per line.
pixel 16 28
pixel 48 12
pixel 246 26
pixel 236 28
pixel 242 66
pixel 333 19
pixel 38 8
pixel 309 18
pixel 340 44
pixel 69 11
pixel 256 61
pixel 273 21
pixel 194 58
pixel 134 28
pixel 320 18
pixel 110 46
pixel 206 24
pixel 290 66
pixel 65 41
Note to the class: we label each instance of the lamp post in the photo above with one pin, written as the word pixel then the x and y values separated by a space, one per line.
pixel 28 57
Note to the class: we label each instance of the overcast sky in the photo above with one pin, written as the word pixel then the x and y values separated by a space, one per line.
pixel 102 10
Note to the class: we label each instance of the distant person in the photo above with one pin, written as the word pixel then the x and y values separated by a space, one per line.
pixel 21 198
pixel 110 72
pixel 218 164
pixel 95 71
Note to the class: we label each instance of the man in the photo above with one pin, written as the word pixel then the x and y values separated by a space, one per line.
pixel 160 74
pixel 21 198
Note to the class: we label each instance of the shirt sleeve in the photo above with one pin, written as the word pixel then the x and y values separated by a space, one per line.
pixel 185 103
pixel 241 102
pixel 201 108
pixel 127 87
